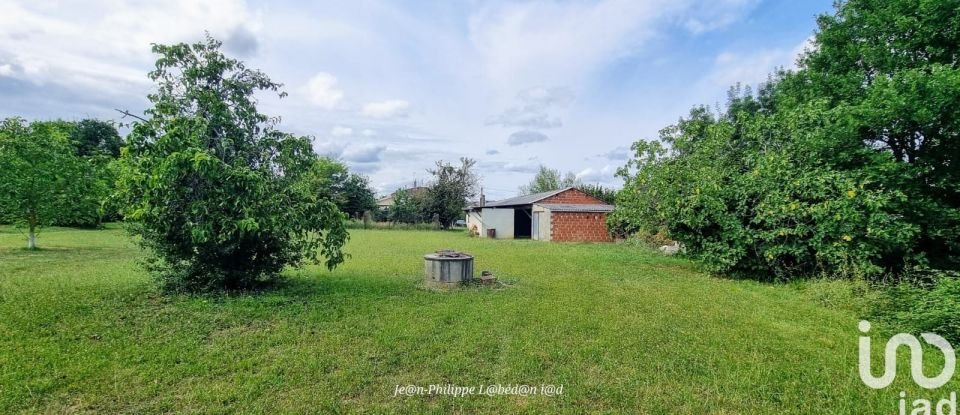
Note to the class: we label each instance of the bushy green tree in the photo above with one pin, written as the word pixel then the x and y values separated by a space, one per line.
pixel 448 193
pixel 848 165
pixel 38 175
pixel 891 71
pixel 405 208
pixel 349 191
pixel 217 194
pixel 745 194
pixel 357 197
pixel 92 137
pixel 548 179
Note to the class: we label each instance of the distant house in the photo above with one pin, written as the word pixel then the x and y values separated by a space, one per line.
pixel 560 215
pixel 386 202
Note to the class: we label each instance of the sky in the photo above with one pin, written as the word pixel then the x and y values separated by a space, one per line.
pixel 390 87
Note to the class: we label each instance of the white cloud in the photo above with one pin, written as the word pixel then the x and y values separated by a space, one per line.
pixel 534 107
pixel 712 15
pixel 341 131
pixel 322 91
pixel 329 148
pixel 368 133
pixel 525 137
pixel 104 45
pixel 753 67
pixel 521 44
pixel 386 109
pixel 617 154
pixel 528 166
pixel 604 176
pixel 803 47
pixel 364 154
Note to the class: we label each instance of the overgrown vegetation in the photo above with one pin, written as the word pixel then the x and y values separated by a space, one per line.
pixel 218 195
pixel 847 166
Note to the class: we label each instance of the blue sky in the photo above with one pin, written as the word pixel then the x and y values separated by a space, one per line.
pixel 390 87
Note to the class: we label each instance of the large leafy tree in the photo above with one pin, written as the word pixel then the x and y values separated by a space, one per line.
pixel 357 197
pixel 93 137
pixel 891 71
pixel 38 174
pixel 349 191
pixel 218 195
pixel 448 193
pixel 548 179
pixel 848 165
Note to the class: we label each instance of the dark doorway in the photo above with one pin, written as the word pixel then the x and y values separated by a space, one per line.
pixel 522 223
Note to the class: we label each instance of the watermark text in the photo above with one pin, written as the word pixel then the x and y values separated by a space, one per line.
pixel 480 390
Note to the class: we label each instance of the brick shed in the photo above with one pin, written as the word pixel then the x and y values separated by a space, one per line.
pixel 567 215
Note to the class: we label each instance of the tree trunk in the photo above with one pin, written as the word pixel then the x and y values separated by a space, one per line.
pixel 32 234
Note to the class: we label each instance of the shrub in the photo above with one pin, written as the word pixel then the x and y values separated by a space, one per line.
pixel 748 198
pixel 218 195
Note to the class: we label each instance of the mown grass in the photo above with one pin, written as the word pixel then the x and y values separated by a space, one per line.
pixel 84 331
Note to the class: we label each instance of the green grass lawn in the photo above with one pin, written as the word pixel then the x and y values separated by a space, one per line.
pixel 82 329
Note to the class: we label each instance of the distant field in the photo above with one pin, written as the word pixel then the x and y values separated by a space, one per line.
pixel 83 330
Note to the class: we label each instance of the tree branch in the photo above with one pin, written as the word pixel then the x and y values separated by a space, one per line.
pixel 128 114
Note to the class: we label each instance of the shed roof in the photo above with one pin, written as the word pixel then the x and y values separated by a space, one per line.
pixel 567 207
pixel 526 199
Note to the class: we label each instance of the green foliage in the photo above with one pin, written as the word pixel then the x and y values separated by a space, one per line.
pixel 892 70
pixel 606 194
pixel 548 179
pixel 349 191
pixel 40 176
pixel 93 137
pixel 357 197
pixel 86 179
pixel 405 208
pixel 925 301
pixel 90 194
pixel 847 166
pixel 220 197
pixel 448 194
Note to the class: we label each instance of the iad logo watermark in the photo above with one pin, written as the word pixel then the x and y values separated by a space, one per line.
pixel 920 406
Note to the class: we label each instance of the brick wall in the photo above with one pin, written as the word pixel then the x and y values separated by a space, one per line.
pixel 579 226
pixel 572 196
